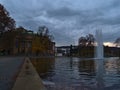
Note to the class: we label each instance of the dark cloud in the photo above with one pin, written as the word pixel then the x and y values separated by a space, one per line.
pixel 67 20
pixel 115 4
pixel 63 12
pixel 111 37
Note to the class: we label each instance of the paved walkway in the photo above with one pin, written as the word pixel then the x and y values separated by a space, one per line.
pixel 9 68
pixel 28 79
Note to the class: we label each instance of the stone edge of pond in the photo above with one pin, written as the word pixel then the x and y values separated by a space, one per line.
pixel 28 78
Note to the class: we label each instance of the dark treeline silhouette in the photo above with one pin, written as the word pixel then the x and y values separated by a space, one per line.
pixel 117 41
pixel 6 22
pixel 86 48
pixel 87 51
pixel 88 40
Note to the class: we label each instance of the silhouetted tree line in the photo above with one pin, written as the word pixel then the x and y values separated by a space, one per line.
pixel 6 22
pixel 117 42
pixel 88 40
pixel 86 47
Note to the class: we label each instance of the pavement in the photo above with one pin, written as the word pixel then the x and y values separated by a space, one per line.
pixel 28 78
pixel 9 69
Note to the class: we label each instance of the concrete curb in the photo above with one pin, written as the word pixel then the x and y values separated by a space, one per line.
pixel 28 78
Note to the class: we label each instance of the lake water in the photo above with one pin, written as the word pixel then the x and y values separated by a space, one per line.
pixel 75 73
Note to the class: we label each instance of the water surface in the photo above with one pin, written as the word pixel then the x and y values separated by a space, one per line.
pixel 76 72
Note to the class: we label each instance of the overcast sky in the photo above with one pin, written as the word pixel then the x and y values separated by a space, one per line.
pixel 68 20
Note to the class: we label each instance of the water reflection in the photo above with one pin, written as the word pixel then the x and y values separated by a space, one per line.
pixel 100 74
pixel 71 62
pixel 112 66
pixel 97 74
pixel 112 73
pixel 44 66
pixel 87 67
pixel 87 72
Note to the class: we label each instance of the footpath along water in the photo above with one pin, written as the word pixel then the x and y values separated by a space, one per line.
pixel 9 68
pixel 28 78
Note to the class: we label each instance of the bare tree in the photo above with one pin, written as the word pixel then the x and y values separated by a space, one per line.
pixel 88 40
pixel 6 22
pixel 117 42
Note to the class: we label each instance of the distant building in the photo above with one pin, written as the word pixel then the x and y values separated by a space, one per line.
pixel 22 41
pixel 16 42
pixel 63 51
pixel 23 44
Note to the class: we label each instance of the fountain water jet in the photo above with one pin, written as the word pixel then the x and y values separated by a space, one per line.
pixel 99 55
pixel 99 45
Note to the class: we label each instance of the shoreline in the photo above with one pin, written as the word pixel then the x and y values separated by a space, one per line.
pixel 28 78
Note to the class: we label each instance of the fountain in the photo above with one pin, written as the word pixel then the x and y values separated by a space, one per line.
pixel 99 55
pixel 99 45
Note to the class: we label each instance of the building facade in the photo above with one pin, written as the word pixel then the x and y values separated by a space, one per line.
pixel 25 42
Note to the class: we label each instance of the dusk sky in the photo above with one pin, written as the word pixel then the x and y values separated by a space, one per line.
pixel 68 20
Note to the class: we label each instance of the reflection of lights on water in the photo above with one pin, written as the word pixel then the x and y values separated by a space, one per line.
pixel 111 75
pixel 91 73
pixel 111 66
